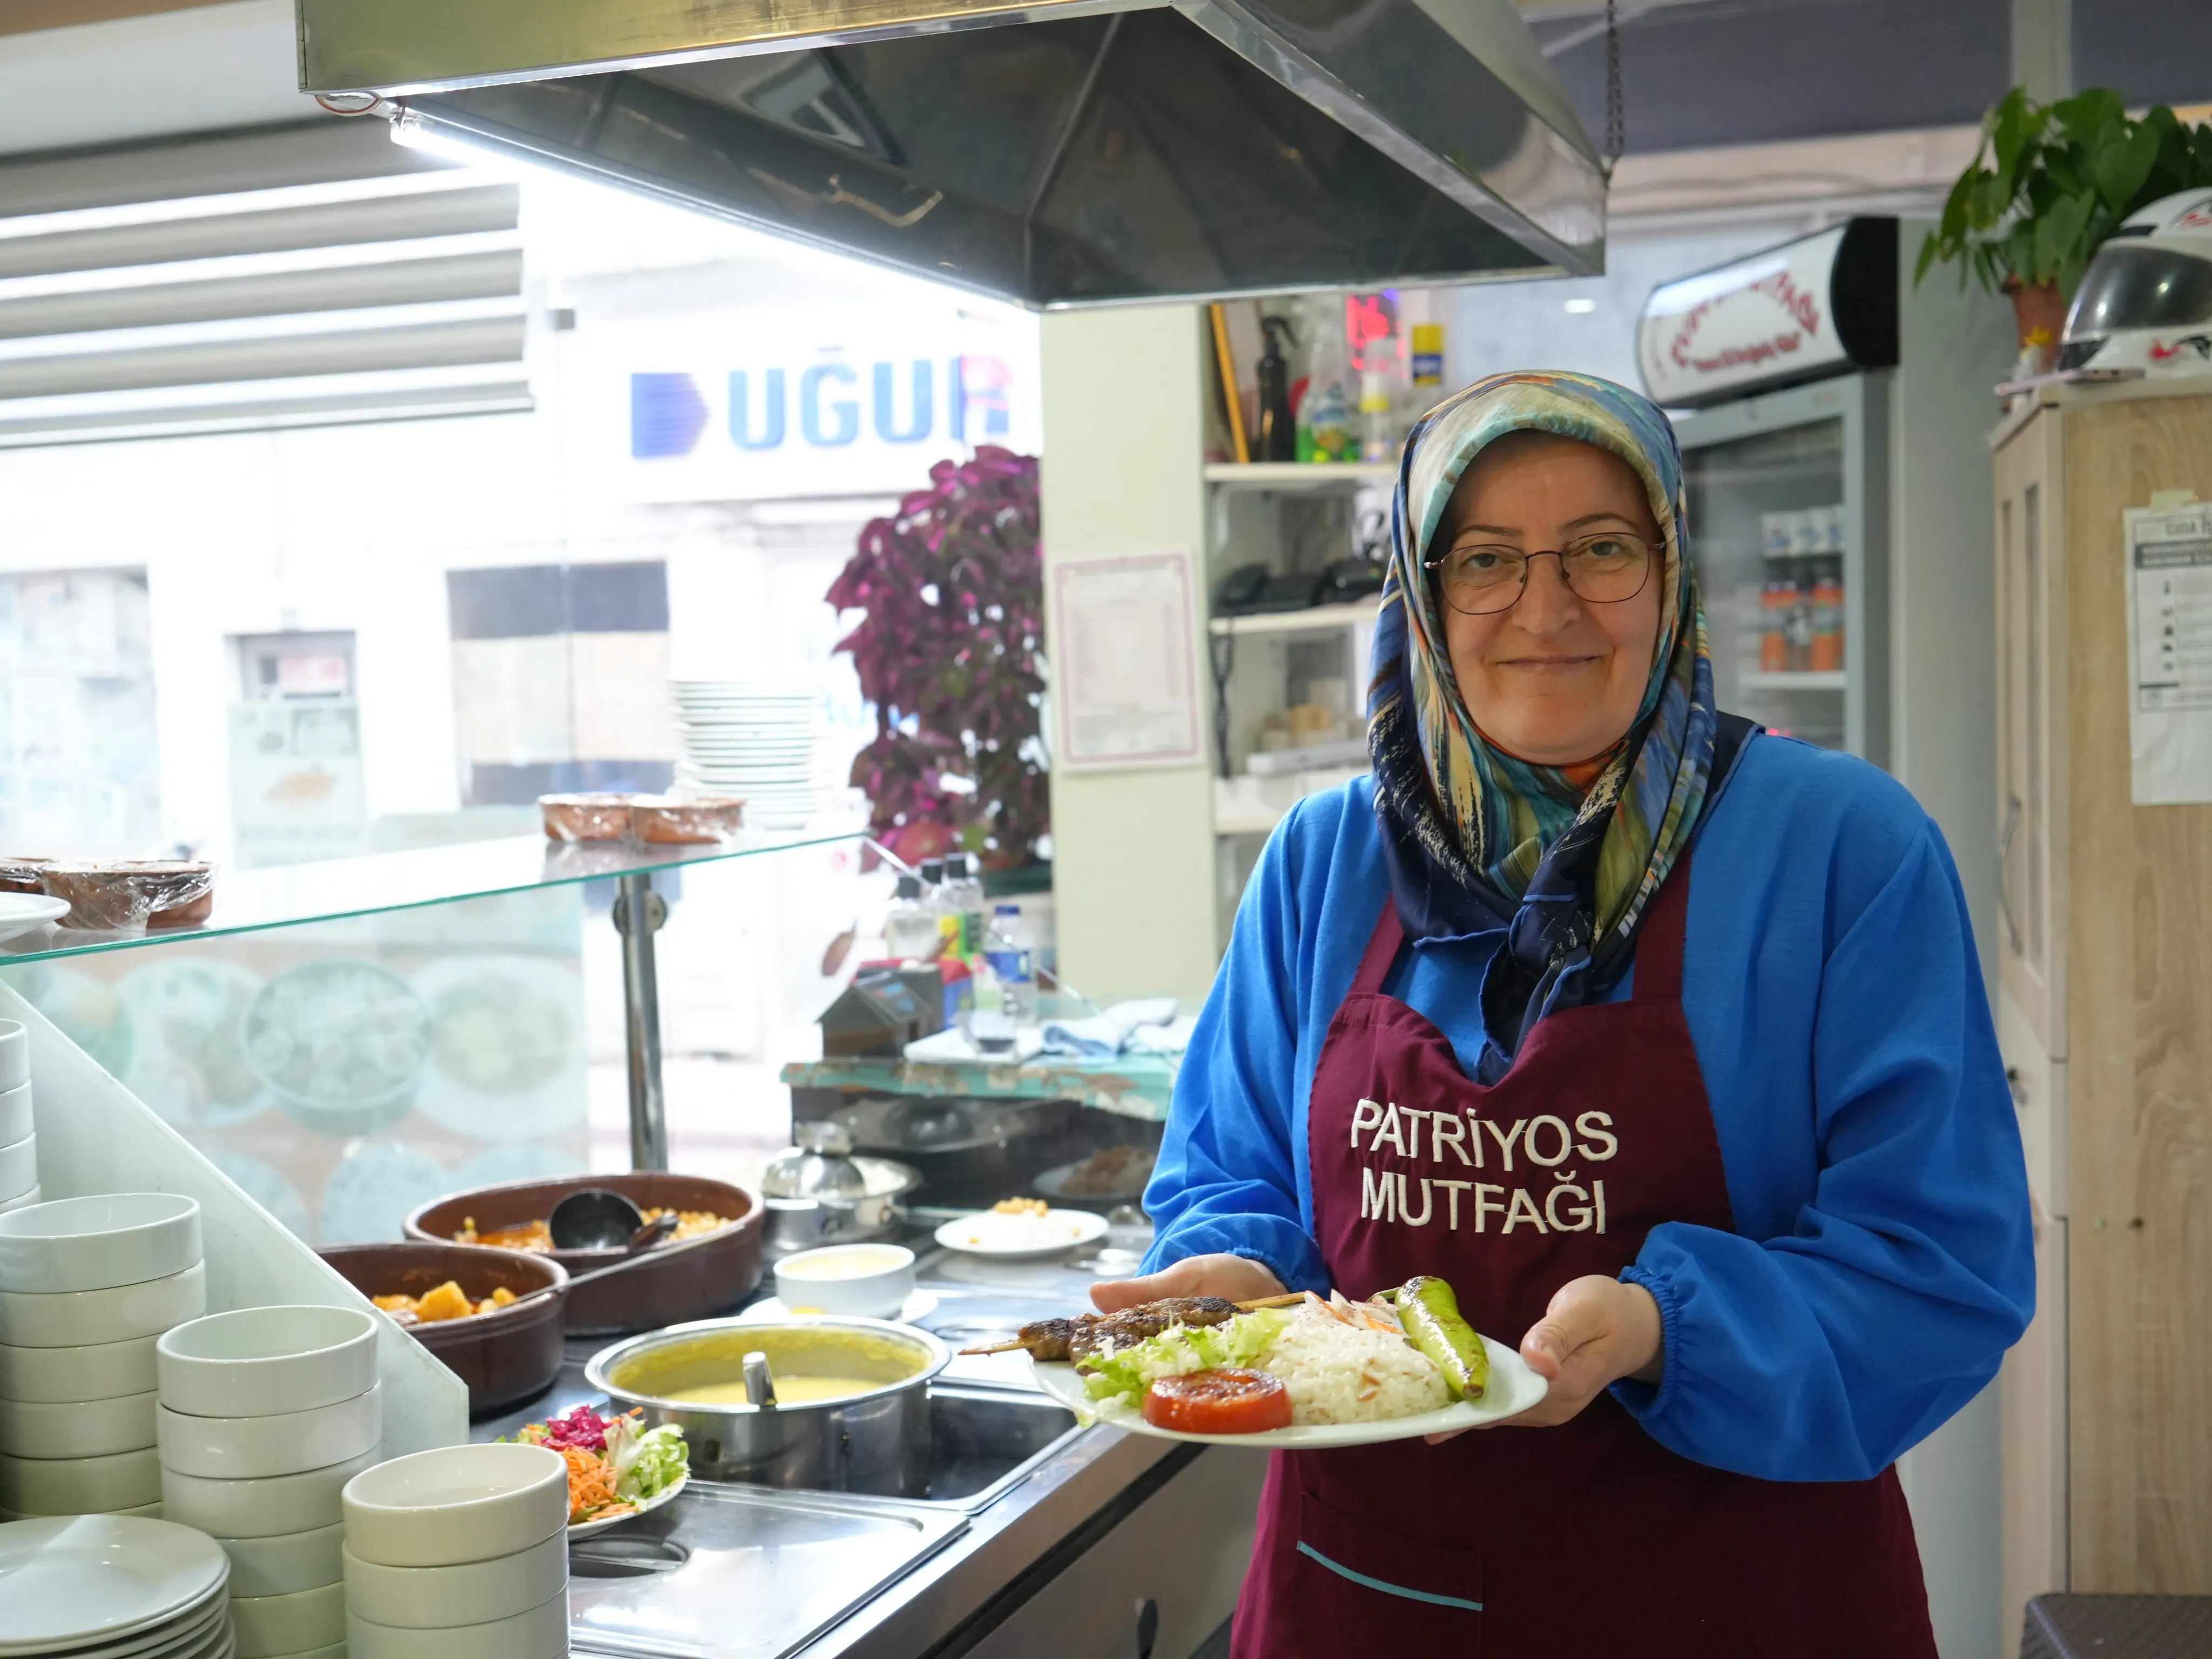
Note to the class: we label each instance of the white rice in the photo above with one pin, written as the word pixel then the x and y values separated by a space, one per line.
pixel 1338 1373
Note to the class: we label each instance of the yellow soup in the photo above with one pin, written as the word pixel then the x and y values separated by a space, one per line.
pixel 789 1391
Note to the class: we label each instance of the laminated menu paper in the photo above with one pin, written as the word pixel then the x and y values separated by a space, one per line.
pixel 2169 576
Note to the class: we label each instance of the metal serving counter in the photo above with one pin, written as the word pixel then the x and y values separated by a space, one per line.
pixel 1034 1531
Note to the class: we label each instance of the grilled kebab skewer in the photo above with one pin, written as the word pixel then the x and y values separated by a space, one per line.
pixel 1049 1340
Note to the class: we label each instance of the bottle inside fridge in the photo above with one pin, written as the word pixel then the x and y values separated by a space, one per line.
pixel 1767 516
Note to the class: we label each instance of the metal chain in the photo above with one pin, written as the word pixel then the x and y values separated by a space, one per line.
pixel 1616 122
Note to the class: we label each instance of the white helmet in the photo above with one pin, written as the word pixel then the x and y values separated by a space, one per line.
pixel 2146 301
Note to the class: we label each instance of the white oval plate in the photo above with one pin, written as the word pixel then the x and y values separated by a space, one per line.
pixel 70 1581
pixel 21 912
pixel 988 1232
pixel 592 1528
pixel 1513 1389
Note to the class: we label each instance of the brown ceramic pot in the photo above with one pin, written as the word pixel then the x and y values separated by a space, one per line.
pixel 691 1285
pixel 504 1357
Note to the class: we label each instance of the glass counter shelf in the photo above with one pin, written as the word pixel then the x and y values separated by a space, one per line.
pixel 335 889
pixel 365 890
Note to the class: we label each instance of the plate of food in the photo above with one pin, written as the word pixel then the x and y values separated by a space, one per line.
pixel 618 1469
pixel 1297 1372
pixel 1021 1226
pixel 1111 1172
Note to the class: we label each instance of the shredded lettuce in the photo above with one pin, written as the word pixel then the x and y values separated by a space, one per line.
pixel 1125 1373
pixel 644 1465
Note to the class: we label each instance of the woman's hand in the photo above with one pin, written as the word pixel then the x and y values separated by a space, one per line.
pixel 1238 1278
pixel 1596 1331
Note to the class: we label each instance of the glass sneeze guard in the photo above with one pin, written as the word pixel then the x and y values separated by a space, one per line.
pixel 381 885
pixel 248 900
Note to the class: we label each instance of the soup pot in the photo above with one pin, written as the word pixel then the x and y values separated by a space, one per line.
pixel 687 1285
pixel 875 1441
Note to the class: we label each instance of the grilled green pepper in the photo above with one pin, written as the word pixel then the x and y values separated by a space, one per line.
pixel 1430 1313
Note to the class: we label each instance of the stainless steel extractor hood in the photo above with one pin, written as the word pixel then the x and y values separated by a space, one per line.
pixel 1059 152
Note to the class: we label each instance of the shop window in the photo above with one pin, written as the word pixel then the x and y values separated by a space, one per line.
pixel 560 679
pixel 79 769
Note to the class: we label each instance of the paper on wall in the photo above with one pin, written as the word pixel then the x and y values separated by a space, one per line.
pixel 1126 651
pixel 2169 604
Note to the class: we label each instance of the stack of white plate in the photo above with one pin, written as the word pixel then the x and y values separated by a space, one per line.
pixel 87 1286
pixel 19 1147
pixel 112 1587
pixel 754 739
pixel 265 1414
pixel 460 1553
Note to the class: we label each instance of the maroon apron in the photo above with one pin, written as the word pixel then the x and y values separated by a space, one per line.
pixel 1588 1540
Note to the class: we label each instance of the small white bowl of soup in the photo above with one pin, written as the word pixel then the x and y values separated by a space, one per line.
pixel 858 1281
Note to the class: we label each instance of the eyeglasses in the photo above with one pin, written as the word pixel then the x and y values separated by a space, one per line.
pixel 1605 568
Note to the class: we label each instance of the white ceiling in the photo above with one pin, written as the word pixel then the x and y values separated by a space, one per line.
pixel 196 70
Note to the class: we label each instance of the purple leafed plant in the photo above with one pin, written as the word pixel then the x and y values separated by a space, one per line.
pixel 951 651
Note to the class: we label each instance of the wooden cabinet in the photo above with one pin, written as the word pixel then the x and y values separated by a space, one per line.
pixel 2105 1013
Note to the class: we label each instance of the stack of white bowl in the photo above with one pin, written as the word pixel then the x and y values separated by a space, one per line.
pixel 265 1414
pixel 87 1286
pixel 459 1553
pixel 112 1587
pixel 19 1147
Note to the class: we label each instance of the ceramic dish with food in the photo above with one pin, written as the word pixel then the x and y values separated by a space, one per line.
pixel 715 1274
pixel 699 820
pixel 585 817
pixel 617 1467
pixel 475 1307
pixel 1311 1374
pixel 1022 1227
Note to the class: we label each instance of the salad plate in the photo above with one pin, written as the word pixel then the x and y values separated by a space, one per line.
pixel 1513 1388
pixel 613 1460
pixel 666 1494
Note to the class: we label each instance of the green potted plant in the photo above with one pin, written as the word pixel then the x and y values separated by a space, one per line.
pixel 2048 183
pixel 949 649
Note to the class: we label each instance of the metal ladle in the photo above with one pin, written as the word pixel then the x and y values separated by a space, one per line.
pixel 594 1219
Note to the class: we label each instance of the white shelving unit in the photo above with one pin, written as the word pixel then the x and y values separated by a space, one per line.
pixel 1810 680
pixel 1317 619
pixel 1301 475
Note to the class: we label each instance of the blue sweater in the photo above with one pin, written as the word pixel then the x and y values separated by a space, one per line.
pixel 1882 1259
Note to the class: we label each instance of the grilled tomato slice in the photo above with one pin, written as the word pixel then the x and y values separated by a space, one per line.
pixel 1217 1402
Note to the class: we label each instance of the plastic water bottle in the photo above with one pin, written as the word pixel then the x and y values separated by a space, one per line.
pixel 1008 953
pixel 910 929
pixel 964 898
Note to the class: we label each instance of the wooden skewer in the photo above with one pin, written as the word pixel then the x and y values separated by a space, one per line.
pixel 1287 1299
pixel 999 1347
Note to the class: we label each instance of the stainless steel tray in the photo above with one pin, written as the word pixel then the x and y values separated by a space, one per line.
pixel 741 1573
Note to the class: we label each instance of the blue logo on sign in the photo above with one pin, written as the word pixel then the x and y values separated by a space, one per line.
pixel 667 412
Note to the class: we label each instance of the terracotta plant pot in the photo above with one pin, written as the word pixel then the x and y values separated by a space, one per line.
pixel 2039 308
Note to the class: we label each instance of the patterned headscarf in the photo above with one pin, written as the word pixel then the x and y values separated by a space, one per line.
pixel 1478 840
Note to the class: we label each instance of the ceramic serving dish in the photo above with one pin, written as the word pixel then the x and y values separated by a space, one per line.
pixel 505 1357
pixel 585 817
pixel 687 1285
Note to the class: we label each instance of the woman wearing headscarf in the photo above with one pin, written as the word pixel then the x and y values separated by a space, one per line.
pixel 1662 1039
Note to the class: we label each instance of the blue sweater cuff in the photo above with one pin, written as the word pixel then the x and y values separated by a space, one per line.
pixel 1647 1402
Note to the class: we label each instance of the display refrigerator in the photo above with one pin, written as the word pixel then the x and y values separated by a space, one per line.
pixel 1779 371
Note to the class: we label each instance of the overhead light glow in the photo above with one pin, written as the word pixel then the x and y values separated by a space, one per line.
pixel 1579 307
